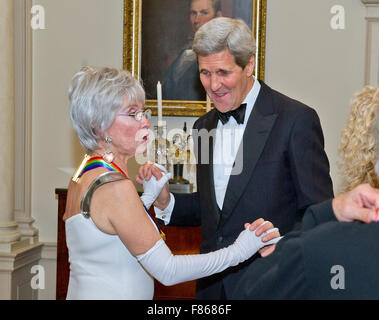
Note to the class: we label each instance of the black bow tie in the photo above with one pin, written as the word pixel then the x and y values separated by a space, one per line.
pixel 238 114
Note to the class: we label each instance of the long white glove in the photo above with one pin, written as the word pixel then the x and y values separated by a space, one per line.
pixel 153 187
pixel 171 269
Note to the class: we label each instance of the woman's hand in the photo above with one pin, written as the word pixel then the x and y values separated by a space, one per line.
pixel 154 178
pixel 148 170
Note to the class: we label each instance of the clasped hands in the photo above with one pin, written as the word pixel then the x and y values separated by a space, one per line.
pixel 154 181
pixel 154 178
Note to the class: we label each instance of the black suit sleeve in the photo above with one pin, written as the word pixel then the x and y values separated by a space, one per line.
pixel 308 161
pixel 186 211
pixel 284 275
pixel 318 214
pixel 279 276
pixel 302 265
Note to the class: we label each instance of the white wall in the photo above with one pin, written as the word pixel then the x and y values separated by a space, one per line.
pixel 78 32
pixel 305 59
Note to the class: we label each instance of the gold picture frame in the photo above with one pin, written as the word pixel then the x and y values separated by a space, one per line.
pixel 132 54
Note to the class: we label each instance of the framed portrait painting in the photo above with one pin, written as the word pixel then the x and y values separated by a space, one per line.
pixel 157 44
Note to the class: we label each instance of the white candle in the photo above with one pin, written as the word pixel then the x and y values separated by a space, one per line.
pixel 159 97
pixel 208 104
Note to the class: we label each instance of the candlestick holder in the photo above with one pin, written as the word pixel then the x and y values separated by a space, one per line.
pixel 178 155
pixel 161 145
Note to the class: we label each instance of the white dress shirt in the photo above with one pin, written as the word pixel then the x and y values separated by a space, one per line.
pixel 227 143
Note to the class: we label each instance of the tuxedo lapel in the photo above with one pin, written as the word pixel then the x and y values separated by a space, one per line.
pixel 258 129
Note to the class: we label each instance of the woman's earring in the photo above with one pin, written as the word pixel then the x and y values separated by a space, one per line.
pixel 108 155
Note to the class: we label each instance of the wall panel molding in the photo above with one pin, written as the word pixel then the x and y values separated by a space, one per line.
pixel 23 119
pixel 372 43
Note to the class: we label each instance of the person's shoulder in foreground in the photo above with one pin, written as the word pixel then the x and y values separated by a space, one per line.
pixel 327 259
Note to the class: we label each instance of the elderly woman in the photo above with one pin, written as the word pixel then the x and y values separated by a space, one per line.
pixel 115 248
pixel 359 139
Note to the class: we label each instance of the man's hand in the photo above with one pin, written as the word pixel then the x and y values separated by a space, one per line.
pixel 260 228
pixel 361 203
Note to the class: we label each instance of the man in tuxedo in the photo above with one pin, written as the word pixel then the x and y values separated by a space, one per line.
pixel 259 153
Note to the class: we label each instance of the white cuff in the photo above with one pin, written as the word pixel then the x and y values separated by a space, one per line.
pixel 165 214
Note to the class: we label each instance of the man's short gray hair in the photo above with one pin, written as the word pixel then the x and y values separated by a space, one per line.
pixel 96 95
pixel 225 33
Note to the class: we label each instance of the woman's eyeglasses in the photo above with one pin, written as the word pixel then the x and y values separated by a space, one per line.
pixel 138 115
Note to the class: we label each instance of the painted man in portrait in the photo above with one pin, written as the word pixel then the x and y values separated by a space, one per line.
pixel 181 81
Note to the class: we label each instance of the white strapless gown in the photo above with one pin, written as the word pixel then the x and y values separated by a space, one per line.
pixel 101 267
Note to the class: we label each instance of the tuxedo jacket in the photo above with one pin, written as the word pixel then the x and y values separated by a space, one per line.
pixel 327 259
pixel 284 170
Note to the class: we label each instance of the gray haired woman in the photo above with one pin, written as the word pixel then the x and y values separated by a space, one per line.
pixel 115 248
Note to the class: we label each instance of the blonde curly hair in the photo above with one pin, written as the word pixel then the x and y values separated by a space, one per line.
pixel 359 141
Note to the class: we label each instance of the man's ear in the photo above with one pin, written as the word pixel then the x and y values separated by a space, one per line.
pixel 219 14
pixel 250 66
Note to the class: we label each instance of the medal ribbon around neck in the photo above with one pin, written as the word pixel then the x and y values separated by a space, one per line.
pixel 97 162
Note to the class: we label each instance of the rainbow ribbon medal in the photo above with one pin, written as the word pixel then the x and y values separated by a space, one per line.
pixel 89 163
pixel 97 162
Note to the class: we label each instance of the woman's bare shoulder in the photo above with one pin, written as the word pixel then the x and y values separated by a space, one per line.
pixel 118 209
